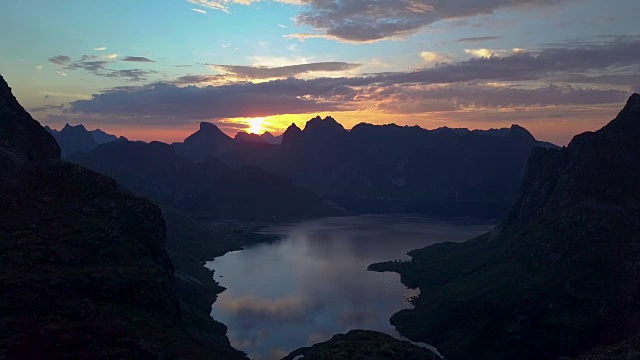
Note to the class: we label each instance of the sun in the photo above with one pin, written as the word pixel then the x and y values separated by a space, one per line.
pixel 255 126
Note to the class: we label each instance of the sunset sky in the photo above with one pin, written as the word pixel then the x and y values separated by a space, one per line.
pixel 152 70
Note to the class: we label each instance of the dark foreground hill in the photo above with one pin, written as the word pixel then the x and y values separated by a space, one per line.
pixel 558 277
pixel 83 267
pixel 363 345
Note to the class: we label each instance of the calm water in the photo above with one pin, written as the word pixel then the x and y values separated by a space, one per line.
pixel 314 282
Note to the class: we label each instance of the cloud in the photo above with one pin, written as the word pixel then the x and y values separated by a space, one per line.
pixel 60 60
pixel 99 67
pixel 100 49
pixel 434 57
pixel 61 73
pixel 39 68
pixel 223 5
pixel 477 39
pixel 266 72
pixel 199 11
pixel 517 79
pixel 369 21
pixel 210 102
pixel 137 59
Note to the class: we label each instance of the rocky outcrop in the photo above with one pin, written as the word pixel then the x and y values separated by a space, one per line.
pixel 22 139
pixel 558 276
pixel 363 345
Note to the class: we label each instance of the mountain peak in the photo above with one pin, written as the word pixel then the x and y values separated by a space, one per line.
pixel 329 124
pixel 207 126
pixel 517 131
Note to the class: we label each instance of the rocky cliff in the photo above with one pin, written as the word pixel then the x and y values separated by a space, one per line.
pixel 83 267
pixel 558 276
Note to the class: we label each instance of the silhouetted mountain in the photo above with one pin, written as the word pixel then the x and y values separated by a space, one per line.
pixel 83 267
pixel 405 169
pixel 559 276
pixel 270 139
pixel 74 138
pixel 249 138
pixel 77 138
pixel 207 188
pixel 207 141
pixel 363 345
pixel 102 137
pixel 22 139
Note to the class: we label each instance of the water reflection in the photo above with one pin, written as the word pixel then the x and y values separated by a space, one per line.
pixel 313 283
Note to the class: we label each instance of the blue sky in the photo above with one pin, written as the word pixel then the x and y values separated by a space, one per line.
pixel 66 63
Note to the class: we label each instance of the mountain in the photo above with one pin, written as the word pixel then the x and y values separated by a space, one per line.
pixel 22 139
pixel 271 139
pixel 83 268
pixel 77 138
pixel 208 188
pixel 391 168
pixel 406 169
pixel 559 276
pixel 102 137
pixel 207 141
pixel 244 137
pixel 363 345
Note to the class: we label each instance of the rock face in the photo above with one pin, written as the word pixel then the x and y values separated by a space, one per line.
pixel 83 267
pixel 22 139
pixel 363 345
pixel 558 276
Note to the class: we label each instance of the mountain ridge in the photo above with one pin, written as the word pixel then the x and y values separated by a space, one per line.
pixel 557 276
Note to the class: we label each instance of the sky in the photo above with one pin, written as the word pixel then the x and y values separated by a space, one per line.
pixel 153 70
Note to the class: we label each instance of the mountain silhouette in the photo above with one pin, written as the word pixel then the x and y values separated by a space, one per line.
pixel 77 138
pixel 207 141
pixel 209 188
pixel 558 276
pixel 83 268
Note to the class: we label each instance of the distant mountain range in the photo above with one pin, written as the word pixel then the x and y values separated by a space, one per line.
pixel 77 138
pixel 558 277
pixel 208 188
pixel 389 168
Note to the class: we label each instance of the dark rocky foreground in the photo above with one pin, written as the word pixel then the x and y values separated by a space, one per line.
pixel 558 277
pixel 83 268
pixel 363 345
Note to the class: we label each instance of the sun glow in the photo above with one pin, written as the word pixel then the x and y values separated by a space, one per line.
pixel 256 126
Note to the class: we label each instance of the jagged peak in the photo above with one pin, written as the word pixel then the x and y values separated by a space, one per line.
pixel 68 127
pixel 293 128
pixel 329 123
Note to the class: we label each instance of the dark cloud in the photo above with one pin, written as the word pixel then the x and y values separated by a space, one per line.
pixel 477 39
pixel 372 20
pixel 130 74
pixel 195 103
pixel 137 59
pixel 264 72
pixel 93 64
pixel 46 107
pixel 60 60
pixel 519 80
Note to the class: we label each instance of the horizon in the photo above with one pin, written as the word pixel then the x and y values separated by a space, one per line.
pixel 557 68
